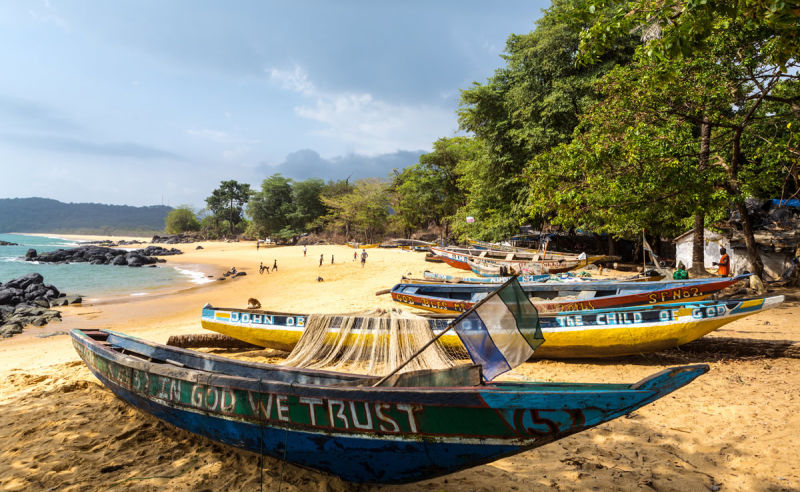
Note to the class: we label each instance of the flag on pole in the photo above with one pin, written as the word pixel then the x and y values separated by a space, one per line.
pixel 501 331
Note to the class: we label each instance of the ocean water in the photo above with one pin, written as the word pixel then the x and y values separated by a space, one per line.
pixel 92 281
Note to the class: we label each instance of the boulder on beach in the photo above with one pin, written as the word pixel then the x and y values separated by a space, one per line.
pixel 26 301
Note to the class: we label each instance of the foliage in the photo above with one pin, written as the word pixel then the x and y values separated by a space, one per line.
pixel 362 213
pixel 181 219
pixel 227 203
pixel 429 192
pixel 526 108
pixel 270 207
pixel 634 160
pixel 687 27
pixel 284 208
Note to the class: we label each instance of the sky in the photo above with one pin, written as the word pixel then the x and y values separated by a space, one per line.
pixel 156 102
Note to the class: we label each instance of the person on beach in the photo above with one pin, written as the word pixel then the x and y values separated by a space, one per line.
pixel 355 255
pixel 275 265
pixel 363 257
pixel 331 259
pixel 680 273
pixel 258 243
pixel 305 248
pixel 261 268
pixel 724 265
pixel 320 260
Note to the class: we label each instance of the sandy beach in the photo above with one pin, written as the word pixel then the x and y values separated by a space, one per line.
pixel 732 429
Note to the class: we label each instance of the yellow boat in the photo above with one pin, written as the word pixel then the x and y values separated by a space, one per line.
pixel 582 334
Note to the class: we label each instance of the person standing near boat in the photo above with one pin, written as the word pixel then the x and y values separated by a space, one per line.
pixel 724 265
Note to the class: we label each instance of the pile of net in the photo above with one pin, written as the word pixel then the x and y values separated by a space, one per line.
pixel 371 343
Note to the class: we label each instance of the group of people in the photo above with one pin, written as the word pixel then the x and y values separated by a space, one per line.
pixel 355 257
pixel 265 268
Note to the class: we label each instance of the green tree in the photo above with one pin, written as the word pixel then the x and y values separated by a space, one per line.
pixel 363 213
pixel 308 203
pixel 429 192
pixel 687 27
pixel 181 219
pixel 675 138
pixel 228 201
pixel 271 207
pixel 526 108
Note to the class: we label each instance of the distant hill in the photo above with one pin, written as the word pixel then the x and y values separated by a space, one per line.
pixel 46 215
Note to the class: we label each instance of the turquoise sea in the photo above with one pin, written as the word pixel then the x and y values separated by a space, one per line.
pixel 88 280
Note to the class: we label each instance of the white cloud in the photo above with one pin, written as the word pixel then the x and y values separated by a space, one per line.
pixel 295 80
pixel 368 125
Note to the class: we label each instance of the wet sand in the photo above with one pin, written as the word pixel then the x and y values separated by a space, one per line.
pixel 733 429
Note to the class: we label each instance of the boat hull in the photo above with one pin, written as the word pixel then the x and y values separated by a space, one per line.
pixel 586 334
pixel 567 296
pixel 359 433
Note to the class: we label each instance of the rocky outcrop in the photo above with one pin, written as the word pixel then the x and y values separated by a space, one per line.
pixel 26 301
pixel 99 255
pixel 173 239
pixel 111 244
pixel 6 243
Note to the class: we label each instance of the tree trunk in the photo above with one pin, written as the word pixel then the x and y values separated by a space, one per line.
pixel 698 245
pixel 612 249
pixel 747 227
pixel 750 240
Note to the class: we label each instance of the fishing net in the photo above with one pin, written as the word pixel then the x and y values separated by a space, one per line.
pixel 372 343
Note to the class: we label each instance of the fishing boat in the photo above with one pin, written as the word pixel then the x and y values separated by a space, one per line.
pixel 408 245
pixel 532 263
pixel 416 426
pixel 477 244
pixel 562 296
pixel 582 334
pixel 429 276
pixel 363 246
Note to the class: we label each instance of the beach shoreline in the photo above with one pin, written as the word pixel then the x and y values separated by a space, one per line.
pixel 61 428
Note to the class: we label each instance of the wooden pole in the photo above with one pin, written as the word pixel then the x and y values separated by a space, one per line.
pixel 451 325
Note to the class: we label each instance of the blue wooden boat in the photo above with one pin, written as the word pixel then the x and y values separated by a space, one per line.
pixel 562 296
pixel 526 279
pixel 417 426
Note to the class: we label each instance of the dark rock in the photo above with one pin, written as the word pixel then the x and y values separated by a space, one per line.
pixel 31 253
pixel 26 280
pixel 6 243
pixel 6 296
pixel 120 261
pixel 199 247
pixel 239 274
pixel 25 300
pixel 10 329
pixel 134 260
